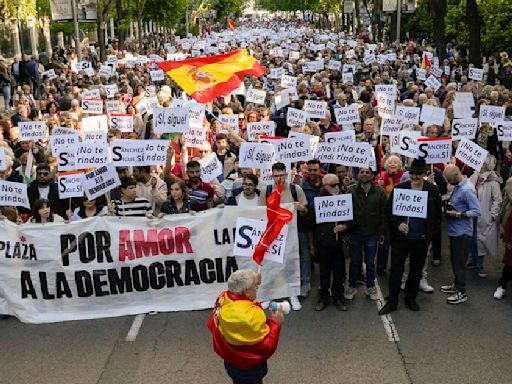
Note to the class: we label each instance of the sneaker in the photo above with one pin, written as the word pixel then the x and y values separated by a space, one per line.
pixel 265 305
pixel 372 292
pixel 294 301
pixel 304 289
pixel 341 305
pixel 425 287
pixel 481 273
pixel 449 288
pixel 321 305
pixel 436 263
pixel 499 293
pixel 457 298
pixel 351 292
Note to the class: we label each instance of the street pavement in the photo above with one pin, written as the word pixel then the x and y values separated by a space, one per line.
pixel 441 344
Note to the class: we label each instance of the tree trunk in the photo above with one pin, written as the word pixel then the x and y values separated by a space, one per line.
pixel 358 17
pixel 474 25
pixel 101 37
pixel 438 13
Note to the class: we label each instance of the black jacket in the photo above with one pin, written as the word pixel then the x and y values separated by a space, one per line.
pixel 58 206
pixel 370 216
pixel 324 232
pixel 434 213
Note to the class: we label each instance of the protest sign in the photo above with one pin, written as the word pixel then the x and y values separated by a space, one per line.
pixel 309 66
pixel 276 73
pixel 432 115
pixel 391 126
pixel 114 106
pixel 50 74
pixel 92 106
pixel 91 155
pixel 471 154
pixel 409 115
pixel 167 120
pixel 105 71
pixel 410 203
pixel 248 234
pixel 70 184
pixel 3 162
pixel 334 65
pixel 93 123
pixel 63 140
pixel 157 75
pixel 491 114
pixel 13 194
pixel 421 74
pixel 466 98
pixel 100 181
pixel 95 136
pixel 476 74
pixel 464 128
pixel 294 149
pixel 295 118
pixel 288 81
pixel 315 109
pixel 438 72
pixel 111 90
pixel 263 128
pixel 256 96
pixel 369 59
pixel 211 167
pixel 385 104
pixel 122 121
pixel 337 208
pixel 138 152
pixel 256 155
pixel 32 130
pixel 196 115
pixel 340 137
pixel 504 130
pixel 195 136
pixel 347 77
pixel 347 115
pixel 349 154
pixel 462 111
pixel 435 150
pixel 92 94
pixel 433 83
pixel 406 144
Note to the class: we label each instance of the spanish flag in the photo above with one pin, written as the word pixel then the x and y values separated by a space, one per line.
pixel 231 24
pixel 205 78
pixel 425 63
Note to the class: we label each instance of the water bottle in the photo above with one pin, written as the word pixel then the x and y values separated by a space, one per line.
pixel 285 305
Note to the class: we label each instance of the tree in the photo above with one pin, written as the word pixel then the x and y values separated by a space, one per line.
pixel 474 24
pixel 438 12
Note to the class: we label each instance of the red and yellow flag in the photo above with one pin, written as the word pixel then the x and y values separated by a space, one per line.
pixel 425 63
pixel 206 78
pixel 231 24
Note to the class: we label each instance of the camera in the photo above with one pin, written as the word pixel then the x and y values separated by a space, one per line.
pixel 448 207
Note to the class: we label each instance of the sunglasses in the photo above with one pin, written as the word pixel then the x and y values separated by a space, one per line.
pixel 332 185
pixel 42 173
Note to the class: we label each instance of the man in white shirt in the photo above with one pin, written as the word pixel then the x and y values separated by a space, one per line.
pixel 152 188
pixel 247 195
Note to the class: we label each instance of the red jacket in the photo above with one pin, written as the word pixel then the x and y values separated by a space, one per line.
pixel 385 178
pixel 244 356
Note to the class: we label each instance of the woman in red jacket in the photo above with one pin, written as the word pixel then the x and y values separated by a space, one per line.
pixel 242 334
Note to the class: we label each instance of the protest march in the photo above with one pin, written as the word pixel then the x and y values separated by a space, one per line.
pixel 141 184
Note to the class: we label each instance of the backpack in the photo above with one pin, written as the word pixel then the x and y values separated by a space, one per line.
pixel 293 190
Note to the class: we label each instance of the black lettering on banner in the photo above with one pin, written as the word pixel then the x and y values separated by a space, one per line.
pixel 456 129
pixel 156 276
pixel 243 235
pixel 83 284
pixel 422 151
pixel 191 274
pixel 172 273
pixel 27 287
pixel 44 287
pixel 120 282
pixel 116 154
pixel 206 270
pixel 62 286
pixel 98 284
pixel 140 278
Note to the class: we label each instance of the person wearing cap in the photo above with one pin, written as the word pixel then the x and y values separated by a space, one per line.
pixel 410 237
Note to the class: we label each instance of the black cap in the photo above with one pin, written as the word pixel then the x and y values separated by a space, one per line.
pixel 418 166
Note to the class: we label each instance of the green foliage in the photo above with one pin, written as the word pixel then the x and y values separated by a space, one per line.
pixel 419 23
pixel 166 12
pixel 457 31
pixel 228 7
pixel 496 28
pixel 193 29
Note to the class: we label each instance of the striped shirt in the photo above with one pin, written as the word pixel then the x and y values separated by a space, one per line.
pixel 136 208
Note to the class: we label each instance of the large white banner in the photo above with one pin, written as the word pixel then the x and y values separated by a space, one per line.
pixel 106 267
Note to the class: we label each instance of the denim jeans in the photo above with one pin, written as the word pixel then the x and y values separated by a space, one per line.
pixel 370 243
pixel 6 90
pixel 305 258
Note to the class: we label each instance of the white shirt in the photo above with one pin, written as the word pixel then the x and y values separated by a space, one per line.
pixel 245 202
pixel 43 192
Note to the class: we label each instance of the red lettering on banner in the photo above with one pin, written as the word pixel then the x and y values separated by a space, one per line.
pixel 136 244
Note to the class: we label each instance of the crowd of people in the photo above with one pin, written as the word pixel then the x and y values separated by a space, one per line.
pixel 471 207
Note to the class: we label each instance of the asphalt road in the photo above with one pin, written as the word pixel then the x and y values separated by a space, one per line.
pixel 441 344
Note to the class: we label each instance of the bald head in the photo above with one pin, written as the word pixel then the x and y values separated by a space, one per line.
pixel 452 174
pixel 330 178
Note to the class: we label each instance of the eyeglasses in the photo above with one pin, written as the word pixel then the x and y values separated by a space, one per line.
pixel 206 151
pixel 43 173
pixel 365 172
pixel 248 184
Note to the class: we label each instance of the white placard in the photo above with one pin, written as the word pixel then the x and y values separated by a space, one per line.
pixel 434 151
pixel 385 104
pixel 256 96
pixel 349 154
pixel 315 109
pixel 334 65
pixel 504 130
pixel 309 66
pixel 127 153
pixel 196 136
pixel 347 77
pixel 157 75
pixel 50 74
pixel 111 90
pixel 122 121
pixel 464 128
pixel 410 203
pixel 388 89
pixel 170 120
pixel 100 181
pixel 292 149
pixel 70 185
pixel 391 125
pixel 369 59
pixel 421 74
pixel 276 73
pixel 91 155
pixel 340 137
pixel 294 55
pixel 95 136
pixel 32 130
pixel 462 111
pixel 347 115
pixel 471 154
pixel 264 128
pixel 106 71
pixel 491 114
pixel 114 106
pixel 248 235
pixel 433 83
pixel 256 155
pixel 437 72
pixel 406 144
pixel 337 208
pixel 230 120
pixel 63 141
pixel 288 81
pixel 410 115
pixel 3 164
pixel 82 65
pixel 196 114
pixel 13 194
pixel 92 106
pixel 432 115
pixel 295 118
pixel 211 167
pixel 476 74
pixel 465 98
pixel 92 94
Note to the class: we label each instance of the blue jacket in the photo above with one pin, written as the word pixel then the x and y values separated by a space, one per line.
pixel 463 199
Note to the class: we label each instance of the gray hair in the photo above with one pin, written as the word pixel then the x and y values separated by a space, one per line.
pixel 240 281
